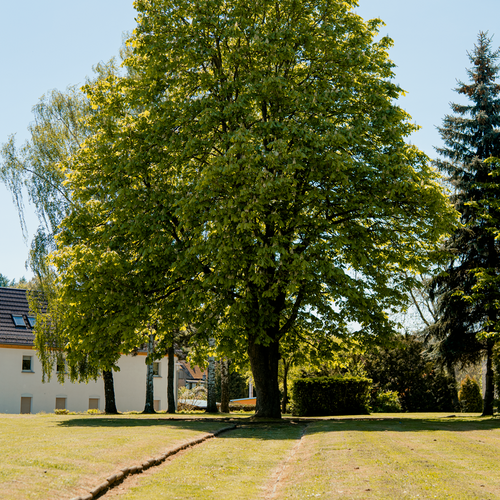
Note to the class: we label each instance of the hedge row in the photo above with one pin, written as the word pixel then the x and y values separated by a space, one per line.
pixel 331 396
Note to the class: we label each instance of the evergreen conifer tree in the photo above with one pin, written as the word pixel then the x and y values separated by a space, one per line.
pixel 470 136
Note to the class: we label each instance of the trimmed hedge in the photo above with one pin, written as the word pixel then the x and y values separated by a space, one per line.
pixel 321 396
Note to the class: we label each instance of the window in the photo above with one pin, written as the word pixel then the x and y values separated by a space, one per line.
pixel 27 365
pixel 18 320
pixel 93 403
pixel 32 321
pixel 25 405
pixel 156 369
pixel 60 367
pixel 156 404
pixel 60 403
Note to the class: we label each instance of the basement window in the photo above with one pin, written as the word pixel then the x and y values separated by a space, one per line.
pixel 60 403
pixel 93 403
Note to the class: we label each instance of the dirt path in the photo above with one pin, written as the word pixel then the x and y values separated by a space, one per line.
pixel 134 480
pixel 279 476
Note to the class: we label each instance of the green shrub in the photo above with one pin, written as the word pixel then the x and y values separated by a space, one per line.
pixel 94 412
pixel 188 411
pixel 240 407
pixel 385 402
pixel 61 412
pixel 470 396
pixel 331 396
pixel 185 407
pixel 420 383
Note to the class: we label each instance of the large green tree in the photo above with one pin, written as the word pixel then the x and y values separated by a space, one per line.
pixel 254 173
pixel 466 308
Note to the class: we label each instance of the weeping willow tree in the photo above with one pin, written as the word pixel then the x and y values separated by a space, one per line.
pixel 58 130
pixel 109 324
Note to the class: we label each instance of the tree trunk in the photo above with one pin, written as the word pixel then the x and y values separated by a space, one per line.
pixel 171 380
pixel 264 362
pixel 149 407
pixel 455 400
pixel 211 401
pixel 284 401
pixel 224 385
pixel 109 392
pixel 489 389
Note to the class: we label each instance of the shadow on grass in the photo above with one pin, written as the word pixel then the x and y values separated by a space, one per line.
pixel 266 429
pixel 126 421
pixel 402 424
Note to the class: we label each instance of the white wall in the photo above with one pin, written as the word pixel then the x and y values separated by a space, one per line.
pixel 130 385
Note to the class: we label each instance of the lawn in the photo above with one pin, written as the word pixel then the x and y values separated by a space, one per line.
pixel 238 464
pixel 384 456
pixel 57 457
pixel 397 458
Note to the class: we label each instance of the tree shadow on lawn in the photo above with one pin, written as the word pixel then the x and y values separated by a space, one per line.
pixel 335 424
pixel 246 427
pixel 402 424
pixel 208 424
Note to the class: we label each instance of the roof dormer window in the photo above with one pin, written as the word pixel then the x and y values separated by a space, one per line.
pixel 31 321
pixel 18 320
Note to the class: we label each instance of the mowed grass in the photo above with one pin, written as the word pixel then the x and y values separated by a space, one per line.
pixel 384 456
pixel 242 464
pixel 393 457
pixel 57 457
pixel 397 458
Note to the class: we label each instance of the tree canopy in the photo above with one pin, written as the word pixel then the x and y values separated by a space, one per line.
pixel 250 172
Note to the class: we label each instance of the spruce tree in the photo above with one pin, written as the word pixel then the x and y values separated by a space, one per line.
pixel 470 136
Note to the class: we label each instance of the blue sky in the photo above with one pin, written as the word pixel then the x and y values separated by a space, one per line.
pixel 55 43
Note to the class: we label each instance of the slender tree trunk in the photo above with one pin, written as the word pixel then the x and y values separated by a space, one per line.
pixel 455 400
pixel 211 401
pixel 264 362
pixel 489 389
pixel 224 385
pixel 109 392
pixel 284 401
pixel 171 380
pixel 149 407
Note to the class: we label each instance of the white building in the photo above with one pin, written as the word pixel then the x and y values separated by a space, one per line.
pixel 21 386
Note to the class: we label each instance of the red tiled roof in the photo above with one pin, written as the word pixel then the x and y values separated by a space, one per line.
pixel 195 371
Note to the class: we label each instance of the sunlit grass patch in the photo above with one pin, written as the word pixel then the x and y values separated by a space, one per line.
pixel 239 464
pixel 397 458
pixel 54 456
